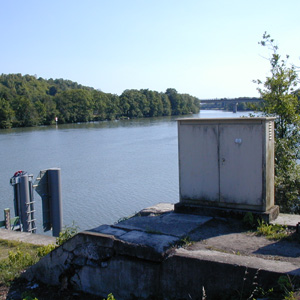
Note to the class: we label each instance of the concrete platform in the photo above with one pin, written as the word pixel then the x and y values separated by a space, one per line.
pixel 288 220
pixel 149 255
pixel 26 237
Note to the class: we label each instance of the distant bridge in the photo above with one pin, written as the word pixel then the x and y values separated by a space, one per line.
pixel 235 101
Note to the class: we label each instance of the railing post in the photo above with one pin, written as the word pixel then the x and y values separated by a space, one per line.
pixel 7 218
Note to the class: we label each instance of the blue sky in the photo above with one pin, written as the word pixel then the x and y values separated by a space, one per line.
pixel 208 49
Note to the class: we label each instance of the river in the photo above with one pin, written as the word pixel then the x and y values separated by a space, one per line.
pixel 109 169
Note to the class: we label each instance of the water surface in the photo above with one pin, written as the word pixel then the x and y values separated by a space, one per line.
pixel 109 169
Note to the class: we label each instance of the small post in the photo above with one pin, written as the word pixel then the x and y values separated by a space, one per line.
pixel 235 107
pixel 7 218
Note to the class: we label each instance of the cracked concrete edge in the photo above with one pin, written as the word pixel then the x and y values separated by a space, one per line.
pixel 241 260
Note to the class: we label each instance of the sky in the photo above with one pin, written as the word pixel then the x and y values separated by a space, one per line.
pixel 208 49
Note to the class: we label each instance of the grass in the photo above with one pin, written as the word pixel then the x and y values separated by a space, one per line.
pixel 17 256
pixel 6 246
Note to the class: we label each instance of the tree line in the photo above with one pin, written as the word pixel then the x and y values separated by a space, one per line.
pixel 30 101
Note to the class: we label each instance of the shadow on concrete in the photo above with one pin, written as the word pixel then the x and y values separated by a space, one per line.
pixel 281 248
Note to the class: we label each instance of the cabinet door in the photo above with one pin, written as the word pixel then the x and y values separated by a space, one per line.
pixel 241 165
pixel 198 162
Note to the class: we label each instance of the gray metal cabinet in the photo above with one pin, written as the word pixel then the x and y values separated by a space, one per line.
pixel 227 162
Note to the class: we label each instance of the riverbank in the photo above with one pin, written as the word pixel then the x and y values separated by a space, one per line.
pixel 160 253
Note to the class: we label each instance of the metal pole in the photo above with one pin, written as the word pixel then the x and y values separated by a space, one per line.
pixel 24 199
pixel 54 181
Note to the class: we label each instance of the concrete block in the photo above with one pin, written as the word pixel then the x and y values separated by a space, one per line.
pixel 144 245
pixel 186 273
pixel 93 251
pixel 174 224
pixel 123 277
pixel 157 209
pixel 50 267
pixel 109 230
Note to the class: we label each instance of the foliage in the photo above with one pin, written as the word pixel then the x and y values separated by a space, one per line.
pixel 17 256
pixel 6 114
pixel 287 287
pixel 183 242
pixel 280 100
pixel 67 233
pixel 28 296
pixel 272 231
pixel 284 288
pixel 42 251
pixel 248 220
pixel 7 245
pixel 12 266
pixel 28 101
pixel 110 297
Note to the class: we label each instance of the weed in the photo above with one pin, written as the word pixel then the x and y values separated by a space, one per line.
pixel 28 296
pixel 123 219
pixel 16 262
pixel 67 233
pixel 183 242
pixel 110 297
pixel 249 221
pixel 17 256
pixel 287 287
pixel 6 246
pixel 272 231
pixel 42 251
pixel 128 217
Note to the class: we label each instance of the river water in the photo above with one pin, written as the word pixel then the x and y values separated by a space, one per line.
pixel 109 170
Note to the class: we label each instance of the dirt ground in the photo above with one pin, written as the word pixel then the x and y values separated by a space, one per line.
pixel 231 236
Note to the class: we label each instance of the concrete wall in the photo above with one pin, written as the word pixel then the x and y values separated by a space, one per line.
pixel 101 264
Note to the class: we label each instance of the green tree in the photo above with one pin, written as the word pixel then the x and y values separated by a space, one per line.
pixel 6 114
pixel 280 101
pixel 175 101
pixel 113 107
pixel 100 105
pixel 51 111
pixel 155 105
pixel 166 104
pixel 132 103
pixel 74 106
pixel 25 112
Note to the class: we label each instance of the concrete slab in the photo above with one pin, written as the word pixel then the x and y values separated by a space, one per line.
pixel 173 224
pixel 159 208
pixel 158 242
pixel 287 219
pixel 107 229
pixel 26 237
pixel 291 268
